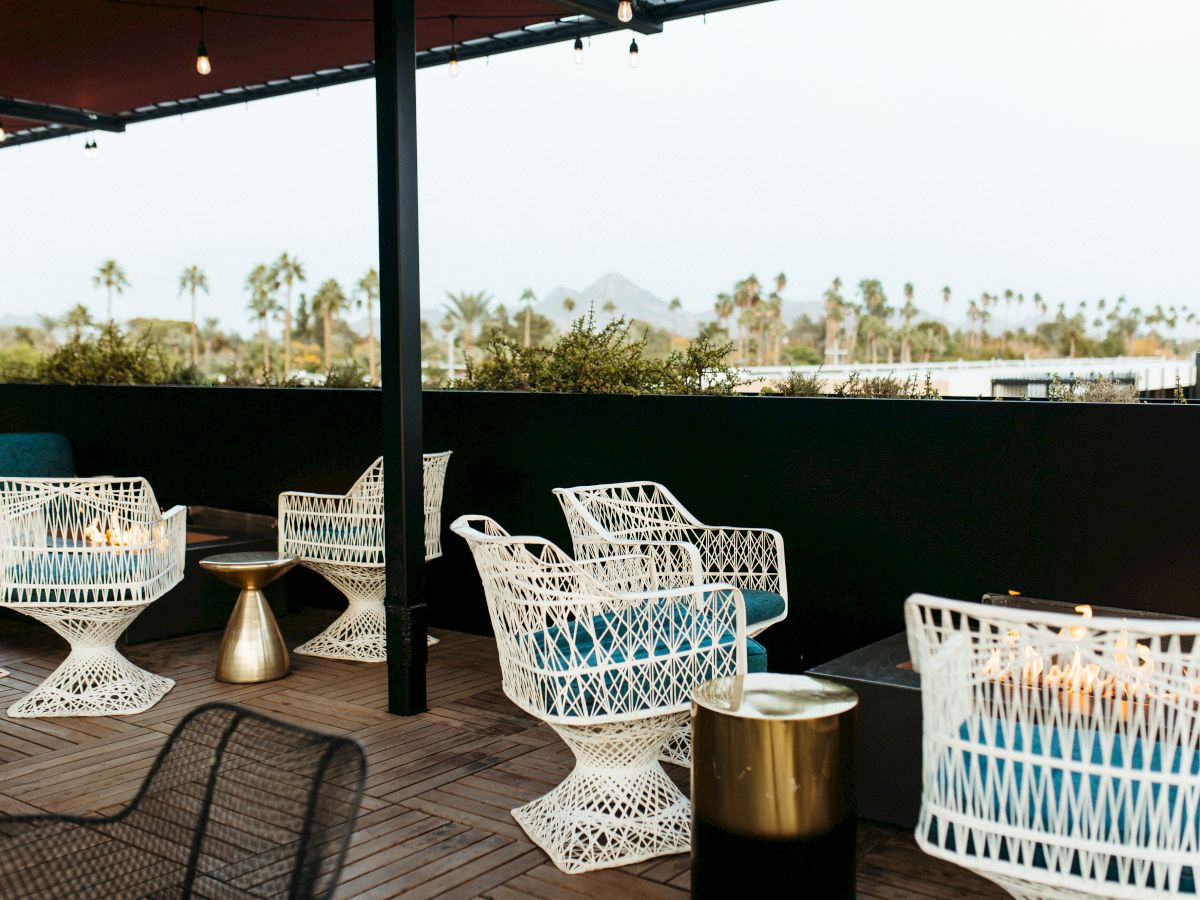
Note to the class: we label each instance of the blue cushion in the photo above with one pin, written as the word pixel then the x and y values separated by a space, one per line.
pixel 1054 789
pixel 35 455
pixel 51 570
pixel 576 644
pixel 762 605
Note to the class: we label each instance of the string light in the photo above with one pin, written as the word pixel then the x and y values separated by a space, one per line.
pixel 90 150
pixel 578 50
pixel 453 49
pixel 625 11
pixel 633 53
pixel 203 63
pixel 3 133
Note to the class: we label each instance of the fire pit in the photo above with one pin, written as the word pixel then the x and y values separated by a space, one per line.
pixel 199 603
pixel 889 694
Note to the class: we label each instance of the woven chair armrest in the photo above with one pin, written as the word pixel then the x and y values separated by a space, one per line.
pixel 678 563
pixel 745 557
pixel 623 573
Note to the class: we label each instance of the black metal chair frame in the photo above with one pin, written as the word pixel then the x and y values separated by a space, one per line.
pixel 15 865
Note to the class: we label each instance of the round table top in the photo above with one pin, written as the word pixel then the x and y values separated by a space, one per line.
pixel 248 569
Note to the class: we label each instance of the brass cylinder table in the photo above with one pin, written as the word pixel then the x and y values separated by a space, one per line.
pixel 774 787
pixel 252 649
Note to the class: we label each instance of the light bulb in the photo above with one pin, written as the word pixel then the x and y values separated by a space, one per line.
pixel 633 53
pixel 578 51
pixel 203 63
pixel 625 11
pixel 453 65
pixel 3 134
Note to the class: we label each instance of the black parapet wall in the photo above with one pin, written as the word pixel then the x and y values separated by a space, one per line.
pixel 876 499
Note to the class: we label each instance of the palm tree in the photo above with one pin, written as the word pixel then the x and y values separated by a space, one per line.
pixel 48 325
pixel 908 312
pixel 288 270
pixel 835 306
pixel 193 279
pixel 329 302
pixel 468 309
pixel 112 277
pixel 77 318
pixel 262 286
pixel 528 297
pixel 675 306
pixel 368 291
pixel 568 304
pixel 724 309
pixel 208 334
pixel 946 295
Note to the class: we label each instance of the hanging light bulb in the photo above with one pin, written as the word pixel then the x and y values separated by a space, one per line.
pixel 578 50
pixel 625 11
pixel 453 49
pixel 3 133
pixel 203 63
pixel 633 54
pixel 90 150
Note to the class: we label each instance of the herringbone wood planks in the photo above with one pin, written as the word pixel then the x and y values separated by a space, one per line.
pixel 435 820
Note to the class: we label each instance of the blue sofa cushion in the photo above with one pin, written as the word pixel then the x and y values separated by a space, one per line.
pixel 35 455
pixel 107 566
pixel 573 696
pixel 1101 804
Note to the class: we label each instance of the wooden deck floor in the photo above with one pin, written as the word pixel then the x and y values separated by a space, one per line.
pixel 435 821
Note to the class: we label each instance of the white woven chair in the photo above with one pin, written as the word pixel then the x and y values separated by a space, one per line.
pixel 604 517
pixel 1061 753
pixel 340 536
pixel 645 517
pixel 606 656
pixel 85 556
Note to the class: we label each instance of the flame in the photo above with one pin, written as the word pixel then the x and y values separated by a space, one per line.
pixel 1025 664
pixel 115 535
pixel 1013 593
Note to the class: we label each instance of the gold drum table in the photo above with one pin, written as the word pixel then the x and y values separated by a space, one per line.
pixel 252 649
pixel 773 787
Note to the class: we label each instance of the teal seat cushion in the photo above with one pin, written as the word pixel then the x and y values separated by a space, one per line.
pixel 52 577
pixel 36 455
pixel 1059 796
pixel 582 643
pixel 762 605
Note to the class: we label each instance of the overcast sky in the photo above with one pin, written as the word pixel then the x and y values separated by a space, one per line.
pixel 1038 145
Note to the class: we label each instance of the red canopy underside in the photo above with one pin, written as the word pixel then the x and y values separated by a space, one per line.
pixel 112 57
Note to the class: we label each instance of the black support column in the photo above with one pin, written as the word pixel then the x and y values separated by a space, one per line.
pixel 400 357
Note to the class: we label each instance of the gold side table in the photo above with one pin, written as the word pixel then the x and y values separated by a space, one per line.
pixel 774 786
pixel 252 649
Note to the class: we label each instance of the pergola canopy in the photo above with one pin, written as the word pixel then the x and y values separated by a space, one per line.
pixel 75 65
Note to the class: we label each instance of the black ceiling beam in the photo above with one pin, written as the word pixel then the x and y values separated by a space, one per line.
pixel 59 115
pixel 606 11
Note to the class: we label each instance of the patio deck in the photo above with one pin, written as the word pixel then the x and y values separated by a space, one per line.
pixel 435 821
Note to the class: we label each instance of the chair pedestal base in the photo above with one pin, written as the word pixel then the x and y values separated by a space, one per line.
pixel 360 633
pixel 617 806
pixel 94 679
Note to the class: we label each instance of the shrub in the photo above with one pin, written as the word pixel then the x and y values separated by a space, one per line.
pixel 887 387
pixel 797 384
pixel 107 358
pixel 346 375
pixel 1097 390
pixel 600 360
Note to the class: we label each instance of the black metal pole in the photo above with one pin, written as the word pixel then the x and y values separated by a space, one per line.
pixel 400 352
